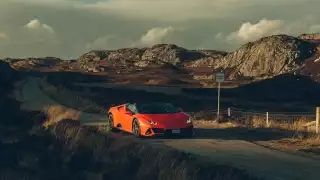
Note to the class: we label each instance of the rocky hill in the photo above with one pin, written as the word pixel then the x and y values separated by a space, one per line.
pixel 272 55
pixel 32 63
pixel 157 54
pixel 311 37
pixel 265 57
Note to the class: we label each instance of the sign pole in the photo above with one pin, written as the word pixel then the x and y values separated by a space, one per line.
pixel 220 77
pixel 218 110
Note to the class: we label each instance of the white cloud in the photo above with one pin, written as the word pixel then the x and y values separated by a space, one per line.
pixel 250 32
pixel 219 35
pixel 156 35
pixel 3 36
pixel 150 37
pixel 100 43
pixel 108 42
pixel 35 24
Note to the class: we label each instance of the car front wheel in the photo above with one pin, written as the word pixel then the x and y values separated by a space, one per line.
pixel 136 128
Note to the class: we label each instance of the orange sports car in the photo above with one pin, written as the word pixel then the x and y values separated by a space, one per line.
pixel 150 119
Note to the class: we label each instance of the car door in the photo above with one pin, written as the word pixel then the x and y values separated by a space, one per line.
pixel 128 117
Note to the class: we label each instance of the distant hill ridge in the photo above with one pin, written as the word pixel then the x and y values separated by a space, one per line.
pixel 267 56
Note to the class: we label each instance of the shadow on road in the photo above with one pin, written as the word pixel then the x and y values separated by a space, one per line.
pixel 242 133
pixel 237 133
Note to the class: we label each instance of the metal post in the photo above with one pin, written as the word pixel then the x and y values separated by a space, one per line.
pixel 229 114
pixel 218 111
pixel 220 77
pixel 246 121
pixel 267 118
pixel 317 120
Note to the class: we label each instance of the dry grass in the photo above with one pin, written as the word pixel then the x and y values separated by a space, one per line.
pixel 215 124
pixel 153 82
pixel 297 125
pixel 215 85
pixel 309 144
pixel 56 113
pixel 61 94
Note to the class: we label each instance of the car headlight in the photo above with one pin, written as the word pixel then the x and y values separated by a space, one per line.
pixel 189 120
pixel 152 122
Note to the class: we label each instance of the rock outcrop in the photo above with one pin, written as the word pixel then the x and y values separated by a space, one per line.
pixel 35 62
pixel 168 53
pixel 158 54
pixel 209 61
pixel 311 37
pixel 272 55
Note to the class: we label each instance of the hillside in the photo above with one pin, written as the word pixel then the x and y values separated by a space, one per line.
pixel 266 57
pixel 212 57
pixel 157 54
pixel 273 55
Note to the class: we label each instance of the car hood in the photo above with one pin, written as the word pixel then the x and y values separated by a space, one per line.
pixel 167 119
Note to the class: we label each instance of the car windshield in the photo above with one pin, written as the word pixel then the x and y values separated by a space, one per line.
pixel 157 108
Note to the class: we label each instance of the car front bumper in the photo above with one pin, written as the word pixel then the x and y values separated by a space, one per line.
pixel 161 132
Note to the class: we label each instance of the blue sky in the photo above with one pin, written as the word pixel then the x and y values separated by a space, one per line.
pixel 65 28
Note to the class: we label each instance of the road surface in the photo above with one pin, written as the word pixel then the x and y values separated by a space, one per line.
pixel 260 161
pixel 34 99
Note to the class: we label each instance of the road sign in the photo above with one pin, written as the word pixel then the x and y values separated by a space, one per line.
pixel 220 77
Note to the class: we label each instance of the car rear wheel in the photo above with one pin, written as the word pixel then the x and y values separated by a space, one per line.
pixel 136 128
pixel 110 125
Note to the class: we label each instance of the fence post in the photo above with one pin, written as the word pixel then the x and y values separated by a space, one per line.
pixel 317 120
pixel 267 119
pixel 246 120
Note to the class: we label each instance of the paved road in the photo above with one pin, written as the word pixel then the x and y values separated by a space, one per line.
pixel 35 99
pixel 273 165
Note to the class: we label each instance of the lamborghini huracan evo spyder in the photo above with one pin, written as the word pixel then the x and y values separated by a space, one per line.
pixel 150 119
